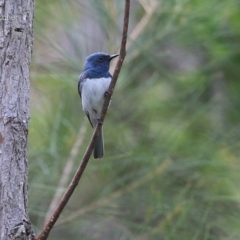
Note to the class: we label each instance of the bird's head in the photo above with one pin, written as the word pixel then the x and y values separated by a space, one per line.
pixel 99 62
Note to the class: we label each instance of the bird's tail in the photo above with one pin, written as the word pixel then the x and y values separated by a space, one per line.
pixel 99 147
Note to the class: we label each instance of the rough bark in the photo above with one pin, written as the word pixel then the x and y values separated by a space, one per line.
pixel 16 36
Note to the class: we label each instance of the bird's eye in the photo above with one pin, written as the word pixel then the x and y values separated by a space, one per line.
pixel 101 58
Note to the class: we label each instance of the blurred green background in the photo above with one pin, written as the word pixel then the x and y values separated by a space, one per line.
pixel 172 132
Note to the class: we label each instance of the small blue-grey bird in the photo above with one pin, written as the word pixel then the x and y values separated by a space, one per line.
pixel 92 87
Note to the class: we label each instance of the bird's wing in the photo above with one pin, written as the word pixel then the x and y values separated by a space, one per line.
pixel 87 114
pixel 82 79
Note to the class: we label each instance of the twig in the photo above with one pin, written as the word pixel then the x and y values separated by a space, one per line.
pixel 49 225
pixel 67 170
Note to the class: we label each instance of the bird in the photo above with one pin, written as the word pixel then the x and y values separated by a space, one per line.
pixel 93 85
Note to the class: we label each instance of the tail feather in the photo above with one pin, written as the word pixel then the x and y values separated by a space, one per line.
pixel 99 147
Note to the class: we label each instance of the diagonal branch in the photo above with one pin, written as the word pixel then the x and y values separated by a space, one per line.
pixel 49 225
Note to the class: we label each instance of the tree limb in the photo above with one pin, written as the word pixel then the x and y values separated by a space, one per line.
pixel 49 225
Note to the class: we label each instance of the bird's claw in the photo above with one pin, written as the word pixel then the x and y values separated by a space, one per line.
pixel 99 121
pixel 106 94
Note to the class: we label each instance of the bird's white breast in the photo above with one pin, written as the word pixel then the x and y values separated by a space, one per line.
pixel 93 91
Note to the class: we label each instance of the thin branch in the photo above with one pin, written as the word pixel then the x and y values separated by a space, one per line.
pixel 47 228
pixel 67 170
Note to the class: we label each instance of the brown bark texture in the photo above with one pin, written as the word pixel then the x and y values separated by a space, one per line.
pixel 16 37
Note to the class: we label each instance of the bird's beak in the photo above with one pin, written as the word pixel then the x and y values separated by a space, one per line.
pixel 113 56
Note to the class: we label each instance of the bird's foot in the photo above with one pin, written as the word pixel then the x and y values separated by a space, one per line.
pixel 106 94
pixel 100 122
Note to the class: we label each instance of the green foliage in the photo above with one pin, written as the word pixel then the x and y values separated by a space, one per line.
pixel 171 132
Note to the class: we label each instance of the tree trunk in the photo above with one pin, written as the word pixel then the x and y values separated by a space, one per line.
pixel 16 36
